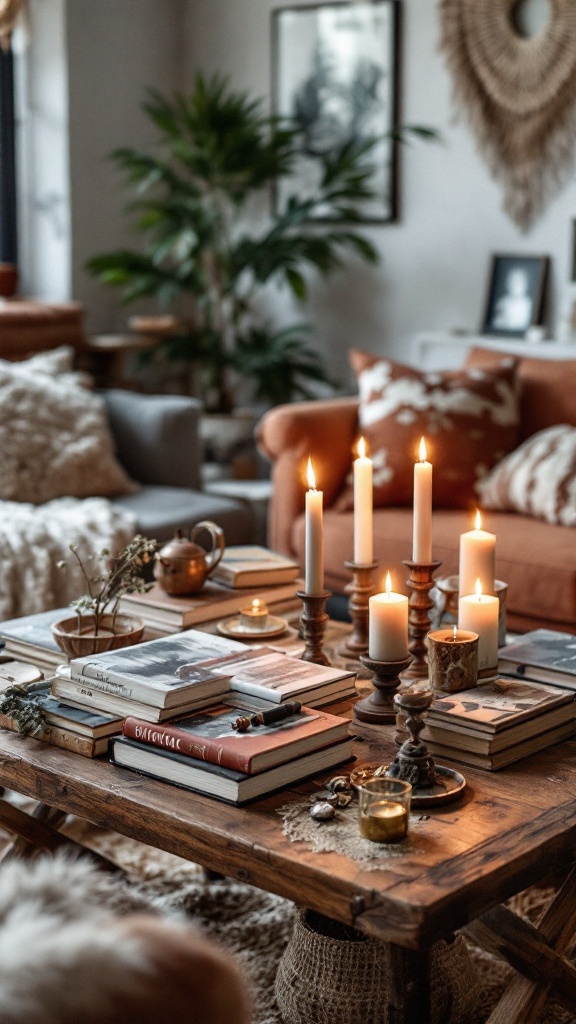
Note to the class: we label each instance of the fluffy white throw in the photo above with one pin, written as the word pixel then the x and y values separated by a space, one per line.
pixel 33 538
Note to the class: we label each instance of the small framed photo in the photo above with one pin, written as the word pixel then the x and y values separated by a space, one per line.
pixel 335 75
pixel 516 295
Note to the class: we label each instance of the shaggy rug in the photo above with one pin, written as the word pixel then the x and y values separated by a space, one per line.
pixel 256 926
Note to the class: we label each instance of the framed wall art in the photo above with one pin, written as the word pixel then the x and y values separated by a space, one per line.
pixel 335 73
pixel 516 294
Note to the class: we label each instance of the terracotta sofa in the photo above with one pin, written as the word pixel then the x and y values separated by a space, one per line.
pixel 536 559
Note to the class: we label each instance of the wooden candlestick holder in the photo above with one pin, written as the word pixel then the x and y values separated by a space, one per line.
pixel 313 625
pixel 360 589
pixel 432 784
pixel 420 583
pixel 378 708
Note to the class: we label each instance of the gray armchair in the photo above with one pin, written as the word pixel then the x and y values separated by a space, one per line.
pixel 157 442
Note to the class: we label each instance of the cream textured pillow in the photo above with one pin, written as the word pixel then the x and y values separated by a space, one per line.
pixel 54 436
pixel 537 479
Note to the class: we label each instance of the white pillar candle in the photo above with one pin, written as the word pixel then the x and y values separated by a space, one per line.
pixel 422 519
pixel 477 560
pixel 388 625
pixel 478 612
pixel 363 505
pixel 314 537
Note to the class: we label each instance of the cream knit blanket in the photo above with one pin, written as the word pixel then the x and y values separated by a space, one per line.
pixel 33 538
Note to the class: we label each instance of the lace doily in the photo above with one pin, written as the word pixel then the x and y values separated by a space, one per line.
pixel 519 94
pixel 342 835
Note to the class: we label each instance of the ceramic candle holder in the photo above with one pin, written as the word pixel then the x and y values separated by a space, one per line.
pixel 452 659
pixel 255 617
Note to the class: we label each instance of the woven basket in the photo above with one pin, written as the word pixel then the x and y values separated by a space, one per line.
pixel 322 979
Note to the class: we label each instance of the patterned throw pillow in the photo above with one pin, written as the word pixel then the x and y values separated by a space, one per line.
pixel 469 418
pixel 537 479
pixel 54 435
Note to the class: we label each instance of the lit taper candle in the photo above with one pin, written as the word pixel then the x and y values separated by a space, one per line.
pixel 314 536
pixel 422 520
pixel 363 505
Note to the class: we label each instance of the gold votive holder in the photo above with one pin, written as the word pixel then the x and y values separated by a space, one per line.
pixel 384 808
pixel 255 617
pixel 452 659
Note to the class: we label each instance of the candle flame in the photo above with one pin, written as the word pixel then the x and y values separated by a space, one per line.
pixel 422 454
pixel 256 604
pixel 455 632
pixel 478 589
pixel 310 476
pixel 388 584
pixel 361 448
pixel 478 520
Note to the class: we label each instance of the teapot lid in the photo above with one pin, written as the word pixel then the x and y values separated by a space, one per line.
pixel 181 547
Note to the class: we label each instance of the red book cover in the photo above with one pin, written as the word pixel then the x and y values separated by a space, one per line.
pixel 209 736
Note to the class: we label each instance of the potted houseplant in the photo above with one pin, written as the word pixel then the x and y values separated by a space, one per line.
pixel 208 261
pixel 97 625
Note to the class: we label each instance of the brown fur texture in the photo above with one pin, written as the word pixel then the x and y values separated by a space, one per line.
pixel 67 955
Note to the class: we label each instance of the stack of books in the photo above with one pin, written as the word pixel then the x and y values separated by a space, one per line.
pixel 246 565
pixel 82 731
pixel 206 754
pixel 29 638
pixel 499 722
pixel 166 614
pixel 543 655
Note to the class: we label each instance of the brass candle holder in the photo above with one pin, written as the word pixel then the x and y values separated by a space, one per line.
pixel 313 625
pixel 360 589
pixel 420 582
pixel 378 708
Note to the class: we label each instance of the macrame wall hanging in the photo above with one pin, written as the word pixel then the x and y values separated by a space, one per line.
pixel 9 12
pixel 519 93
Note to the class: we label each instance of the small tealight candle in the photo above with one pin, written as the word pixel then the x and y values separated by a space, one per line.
pixel 479 612
pixel 254 617
pixel 384 806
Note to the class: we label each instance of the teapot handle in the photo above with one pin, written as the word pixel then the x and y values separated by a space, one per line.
pixel 217 549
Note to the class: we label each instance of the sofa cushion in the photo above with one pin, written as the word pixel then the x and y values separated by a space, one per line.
pixel 160 511
pixel 547 388
pixel 538 478
pixel 470 419
pixel 54 436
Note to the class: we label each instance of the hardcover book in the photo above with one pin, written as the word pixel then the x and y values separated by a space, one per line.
pixel 156 607
pixel 454 735
pixel 163 672
pixel 254 566
pixel 66 739
pixel 542 654
pixel 211 737
pixel 502 758
pixel 86 697
pixel 497 705
pixel 224 783
pixel 278 677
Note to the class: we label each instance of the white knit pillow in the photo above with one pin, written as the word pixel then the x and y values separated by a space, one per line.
pixel 537 479
pixel 54 435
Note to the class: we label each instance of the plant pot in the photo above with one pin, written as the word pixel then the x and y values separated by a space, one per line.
pixel 114 632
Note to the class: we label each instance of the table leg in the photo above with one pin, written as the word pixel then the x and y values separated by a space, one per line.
pixel 409 992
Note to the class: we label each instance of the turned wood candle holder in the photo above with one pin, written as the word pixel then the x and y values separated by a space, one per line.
pixel 378 708
pixel 360 589
pixel 413 763
pixel 313 625
pixel 420 582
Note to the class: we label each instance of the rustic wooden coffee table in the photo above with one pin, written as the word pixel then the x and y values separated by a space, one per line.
pixel 510 830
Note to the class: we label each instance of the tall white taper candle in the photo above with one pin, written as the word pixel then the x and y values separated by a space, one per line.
pixel 314 536
pixel 363 505
pixel 422 519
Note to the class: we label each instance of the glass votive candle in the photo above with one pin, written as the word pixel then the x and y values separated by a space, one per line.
pixel 384 806
pixel 255 617
pixel 452 659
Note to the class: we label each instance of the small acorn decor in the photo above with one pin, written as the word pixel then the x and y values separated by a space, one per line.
pixel 98 626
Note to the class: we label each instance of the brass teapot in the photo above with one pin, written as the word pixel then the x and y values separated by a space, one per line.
pixel 182 566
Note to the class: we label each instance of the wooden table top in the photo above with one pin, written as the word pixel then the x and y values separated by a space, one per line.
pixel 510 829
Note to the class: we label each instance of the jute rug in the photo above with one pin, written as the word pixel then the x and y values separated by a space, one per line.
pixel 256 926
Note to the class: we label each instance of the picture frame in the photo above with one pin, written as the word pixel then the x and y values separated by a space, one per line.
pixel 516 294
pixel 335 73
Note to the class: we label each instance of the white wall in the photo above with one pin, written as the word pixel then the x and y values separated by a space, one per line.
pixel 116 49
pixel 435 260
